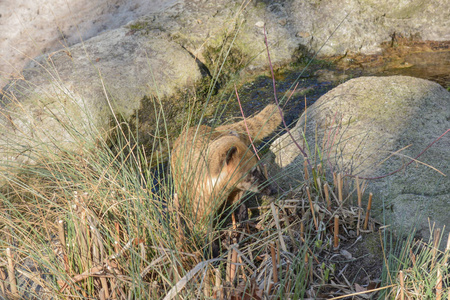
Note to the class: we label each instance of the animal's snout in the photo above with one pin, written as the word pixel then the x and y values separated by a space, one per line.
pixel 266 186
pixel 269 189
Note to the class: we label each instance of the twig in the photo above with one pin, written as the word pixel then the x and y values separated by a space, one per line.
pixel 358 192
pixel 369 205
pixel 11 275
pixel 2 279
pixel 233 262
pixel 339 187
pixel 305 170
pixel 402 285
pixel 327 196
pixel 277 224
pixel 336 231
pixel 189 275
pixel 117 241
pixel 439 285
pixel 312 209
pixel 274 263
pixel 364 292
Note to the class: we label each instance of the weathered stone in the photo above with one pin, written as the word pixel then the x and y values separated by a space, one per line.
pixel 371 127
pixel 66 91
pixel 337 27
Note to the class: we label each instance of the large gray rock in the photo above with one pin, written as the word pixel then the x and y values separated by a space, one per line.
pixel 371 127
pixel 337 27
pixel 75 91
pixel 31 28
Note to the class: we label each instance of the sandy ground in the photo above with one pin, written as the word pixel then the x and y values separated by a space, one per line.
pixel 29 28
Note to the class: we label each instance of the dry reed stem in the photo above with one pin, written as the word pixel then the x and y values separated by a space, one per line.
pixel 189 275
pixel 113 289
pixel 104 287
pixel 316 225
pixel 319 185
pixel 369 206
pixel 363 292
pixel 412 257
pixel 339 182
pixel 447 248
pixel 206 286
pixel 101 295
pixel 277 224
pixel 287 287
pixel 117 241
pixel 402 285
pixel 233 221
pixel 218 283
pixel 302 230
pixel 92 271
pixel 228 269
pixel 2 279
pixel 358 192
pixel 305 170
pixel 241 262
pixel 233 262
pixel 436 238
pixel 11 275
pixel 335 182
pixel 439 285
pixel 327 196
pixel 336 231
pixel 274 263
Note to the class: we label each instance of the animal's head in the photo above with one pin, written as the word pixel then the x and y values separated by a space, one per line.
pixel 233 165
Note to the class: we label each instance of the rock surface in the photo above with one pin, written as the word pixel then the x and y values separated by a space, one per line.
pixel 373 126
pixel 337 27
pixel 30 28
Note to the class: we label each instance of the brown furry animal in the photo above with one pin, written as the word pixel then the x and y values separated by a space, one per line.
pixel 211 167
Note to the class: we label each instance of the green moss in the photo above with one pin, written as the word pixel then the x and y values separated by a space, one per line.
pixel 139 25
pixel 224 59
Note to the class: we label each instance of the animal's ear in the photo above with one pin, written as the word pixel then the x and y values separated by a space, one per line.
pixel 230 154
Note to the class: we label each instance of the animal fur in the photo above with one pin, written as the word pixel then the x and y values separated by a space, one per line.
pixel 211 167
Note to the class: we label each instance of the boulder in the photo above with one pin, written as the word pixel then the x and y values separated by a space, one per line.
pixel 371 127
pixel 75 91
pixel 29 29
pixel 337 27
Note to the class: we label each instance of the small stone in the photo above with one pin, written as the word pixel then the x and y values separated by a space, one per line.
pixel 303 34
pixel 259 24
pixel 346 254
